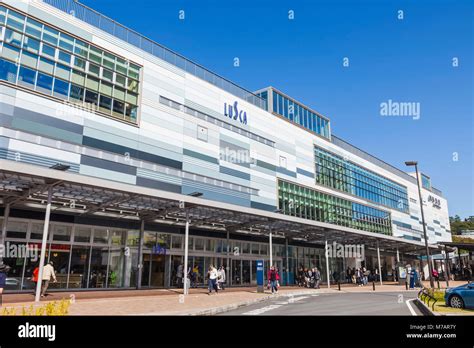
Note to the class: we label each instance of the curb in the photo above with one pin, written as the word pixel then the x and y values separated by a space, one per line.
pixel 424 309
pixel 227 308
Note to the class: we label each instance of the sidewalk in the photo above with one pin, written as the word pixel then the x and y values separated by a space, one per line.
pixel 198 302
pixel 172 302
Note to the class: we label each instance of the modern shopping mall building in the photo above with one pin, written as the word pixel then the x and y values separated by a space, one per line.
pixel 130 142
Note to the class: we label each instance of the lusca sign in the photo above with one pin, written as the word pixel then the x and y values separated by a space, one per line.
pixel 233 112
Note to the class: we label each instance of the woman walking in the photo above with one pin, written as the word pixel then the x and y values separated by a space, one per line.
pixel 212 275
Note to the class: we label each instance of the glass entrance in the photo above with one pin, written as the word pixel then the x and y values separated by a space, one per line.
pixel 157 271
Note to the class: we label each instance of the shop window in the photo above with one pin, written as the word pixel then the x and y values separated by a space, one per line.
pixel 117 237
pixel 82 234
pixel 101 236
pixel 15 274
pixel 255 249
pixel 36 231
pixel 176 242
pixel 79 266
pixel 17 229
pixel 98 267
pixel 199 244
pixel 61 233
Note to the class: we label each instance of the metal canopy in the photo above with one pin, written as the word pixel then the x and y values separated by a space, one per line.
pixel 25 186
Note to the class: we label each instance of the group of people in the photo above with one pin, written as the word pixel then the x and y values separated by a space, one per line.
pixel 309 277
pixel 216 277
pixel 361 276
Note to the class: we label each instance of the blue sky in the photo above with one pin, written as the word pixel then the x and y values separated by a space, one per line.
pixel 407 60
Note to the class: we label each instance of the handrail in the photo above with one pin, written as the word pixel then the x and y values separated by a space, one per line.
pixel 136 39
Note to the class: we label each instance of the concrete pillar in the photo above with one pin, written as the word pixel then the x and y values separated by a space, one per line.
pixel 327 264
pixel 140 255
pixel 380 264
pixel 186 252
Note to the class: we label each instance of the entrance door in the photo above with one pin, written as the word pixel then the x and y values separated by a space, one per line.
pixel 236 272
pixel 157 271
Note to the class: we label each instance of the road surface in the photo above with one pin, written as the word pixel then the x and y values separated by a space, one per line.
pixel 366 303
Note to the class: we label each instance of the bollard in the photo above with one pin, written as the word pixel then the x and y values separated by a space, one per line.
pixel 373 285
pixel 406 285
pixel 438 283
pixel 339 285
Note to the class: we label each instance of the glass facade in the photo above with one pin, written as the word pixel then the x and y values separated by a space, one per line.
pixel 51 62
pixel 310 204
pixel 93 257
pixel 335 172
pixel 297 113
pixel 425 182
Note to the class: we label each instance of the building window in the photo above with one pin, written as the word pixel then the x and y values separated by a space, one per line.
pixel 53 45
pixel 310 204
pixel 335 172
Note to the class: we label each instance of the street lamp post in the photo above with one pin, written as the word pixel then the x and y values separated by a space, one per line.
pixel 430 268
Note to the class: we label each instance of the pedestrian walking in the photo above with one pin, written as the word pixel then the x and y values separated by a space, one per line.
pixel 317 277
pixel 212 279
pixel 179 275
pixel 221 278
pixel 48 274
pixel 273 279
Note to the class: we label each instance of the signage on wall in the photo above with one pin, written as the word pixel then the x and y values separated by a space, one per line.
pixel 435 201
pixel 232 111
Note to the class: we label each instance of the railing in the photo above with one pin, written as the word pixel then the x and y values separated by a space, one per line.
pixel 130 36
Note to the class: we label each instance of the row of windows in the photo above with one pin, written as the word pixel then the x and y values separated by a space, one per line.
pixel 335 172
pixel 310 204
pixel 300 115
pixel 23 230
pixel 73 63
pixel 50 85
pixel 59 65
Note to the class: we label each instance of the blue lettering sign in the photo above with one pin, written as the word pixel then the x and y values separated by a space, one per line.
pixel 232 112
